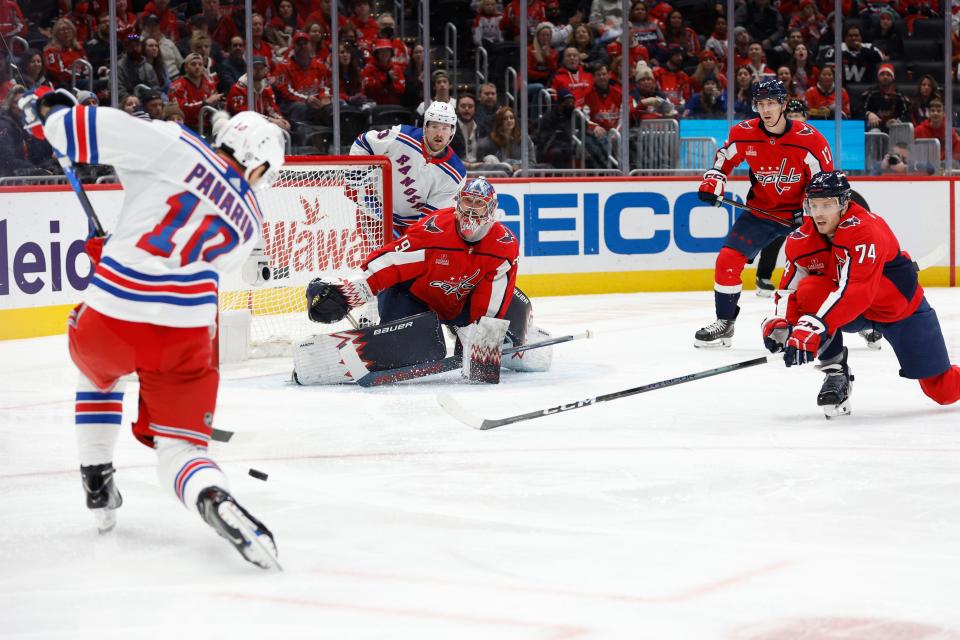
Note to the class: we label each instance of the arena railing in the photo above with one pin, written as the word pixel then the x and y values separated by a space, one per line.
pixel 481 70
pixel 81 62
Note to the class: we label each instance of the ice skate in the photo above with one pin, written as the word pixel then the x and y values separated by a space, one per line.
pixel 716 334
pixel 837 387
pixel 765 288
pixel 103 497
pixel 234 523
pixel 873 338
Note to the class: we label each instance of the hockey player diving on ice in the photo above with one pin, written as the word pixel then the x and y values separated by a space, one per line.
pixel 189 214
pixel 845 273
pixel 458 267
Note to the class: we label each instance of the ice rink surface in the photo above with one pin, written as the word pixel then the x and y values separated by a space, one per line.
pixel 726 508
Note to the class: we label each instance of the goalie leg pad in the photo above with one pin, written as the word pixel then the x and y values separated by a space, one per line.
pixel 482 342
pixel 534 360
pixel 346 356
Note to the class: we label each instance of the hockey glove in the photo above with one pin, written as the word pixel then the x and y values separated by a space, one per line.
pixel 804 341
pixel 329 303
pixel 94 248
pixel 32 104
pixel 712 188
pixel 775 333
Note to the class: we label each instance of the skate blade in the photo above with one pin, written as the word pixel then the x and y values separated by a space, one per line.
pixel 836 410
pixel 722 343
pixel 764 293
pixel 106 519
pixel 874 346
pixel 257 549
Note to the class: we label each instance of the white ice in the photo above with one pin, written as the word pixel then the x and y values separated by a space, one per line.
pixel 723 508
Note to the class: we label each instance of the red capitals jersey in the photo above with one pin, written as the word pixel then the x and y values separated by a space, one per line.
pixel 447 271
pixel 780 166
pixel 874 277
pixel 377 84
pixel 191 97
pixel 579 83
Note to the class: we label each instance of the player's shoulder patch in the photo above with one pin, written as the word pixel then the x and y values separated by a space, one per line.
pixel 430 225
pixel 805 130
pixel 746 125
pixel 506 237
pixel 849 223
pixel 798 234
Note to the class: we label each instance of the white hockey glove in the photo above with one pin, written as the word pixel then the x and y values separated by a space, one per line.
pixel 482 343
pixel 256 270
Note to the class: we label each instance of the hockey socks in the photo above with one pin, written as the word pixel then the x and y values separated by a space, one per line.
pixel 97 415
pixel 727 283
pixel 186 469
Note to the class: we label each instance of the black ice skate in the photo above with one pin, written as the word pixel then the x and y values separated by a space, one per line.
pixel 837 387
pixel 250 537
pixel 103 497
pixel 765 288
pixel 873 338
pixel 716 334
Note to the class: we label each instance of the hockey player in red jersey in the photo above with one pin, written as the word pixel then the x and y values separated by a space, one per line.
pixel 189 214
pixel 845 273
pixel 783 156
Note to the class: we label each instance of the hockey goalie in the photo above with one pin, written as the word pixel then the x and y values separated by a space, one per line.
pixel 456 267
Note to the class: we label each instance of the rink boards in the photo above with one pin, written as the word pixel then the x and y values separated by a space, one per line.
pixel 577 236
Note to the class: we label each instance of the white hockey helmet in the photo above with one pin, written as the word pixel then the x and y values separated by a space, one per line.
pixel 252 140
pixel 440 112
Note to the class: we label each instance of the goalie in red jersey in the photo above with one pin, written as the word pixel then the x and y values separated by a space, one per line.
pixel 457 267
pixel 783 156
pixel 845 273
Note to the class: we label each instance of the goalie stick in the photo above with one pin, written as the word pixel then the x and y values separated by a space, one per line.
pixel 451 363
pixel 456 410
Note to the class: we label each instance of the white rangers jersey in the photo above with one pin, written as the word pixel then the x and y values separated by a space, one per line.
pixel 422 183
pixel 187 216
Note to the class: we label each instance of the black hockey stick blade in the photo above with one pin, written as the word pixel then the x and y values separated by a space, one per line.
pixel 455 409
pixel 235 437
pixel 451 363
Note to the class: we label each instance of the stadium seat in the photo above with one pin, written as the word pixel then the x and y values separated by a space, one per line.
pixel 916 50
pixel 391 115
pixel 928 29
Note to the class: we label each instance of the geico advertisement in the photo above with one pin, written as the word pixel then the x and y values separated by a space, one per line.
pixel 563 227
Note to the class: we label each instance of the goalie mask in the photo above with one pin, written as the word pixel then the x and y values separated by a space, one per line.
pixel 252 140
pixel 476 209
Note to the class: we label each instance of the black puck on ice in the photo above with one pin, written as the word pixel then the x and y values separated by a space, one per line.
pixel 259 475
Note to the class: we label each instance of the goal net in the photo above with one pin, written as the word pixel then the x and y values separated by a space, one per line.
pixel 322 217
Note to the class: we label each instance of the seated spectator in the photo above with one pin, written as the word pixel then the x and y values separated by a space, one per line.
pixel 319 42
pixel 883 104
pixel 673 82
pixel 784 76
pixel 707 70
pixel 133 68
pixel 860 60
pixel 542 58
pixel 870 11
pixel 644 29
pixel 31 71
pixel 743 94
pixel 466 137
pixel 797 110
pixel 348 36
pixel 885 36
pixel 762 22
pixel 202 45
pixel 198 28
pixel 169 54
pixel 638 52
pixel 782 54
pixel 802 68
pixel 810 22
pixel 97 47
pixel 351 78
pixel 487 107
pixel 303 85
pixel 572 77
pixel 503 144
pixel 555 137
pixel 486 25
pixel 741 47
pixel 363 22
pixel 151 55
pixel 6 76
pixel 264 102
pixel 61 52
pixel 562 30
pixel 166 18
pixel 383 81
pixel 821 98
pixel 606 15
pixel 413 78
pixel 153 104
pixel 677 33
pixel 603 102
pixel 710 102
pixel 321 13
pixel 536 14
pixel 220 25
pixel 260 45
pixel 21 153
pixel 917 10
pixel 717 42
pixel 233 65
pixel 194 90
pixel 12 21
pixel 927 88
pixel 900 162
pixel 649 102
pixel 658 10
pixel 285 21
pixel 78 13
pixel 935 127
pixel 757 63
pixel 592 53
pixel 131 104
pixel 439 91
pixel 172 113
pixel 388 31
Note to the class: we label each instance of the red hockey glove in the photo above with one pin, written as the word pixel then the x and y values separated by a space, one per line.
pixel 804 341
pixel 94 249
pixel 775 333
pixel 712 188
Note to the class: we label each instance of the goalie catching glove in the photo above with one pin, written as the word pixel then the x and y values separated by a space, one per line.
pixel 330 302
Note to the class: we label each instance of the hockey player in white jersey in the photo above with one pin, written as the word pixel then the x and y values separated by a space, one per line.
pixel 427 174
pixel 189 214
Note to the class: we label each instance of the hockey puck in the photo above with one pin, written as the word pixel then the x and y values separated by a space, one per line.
pixel 259 475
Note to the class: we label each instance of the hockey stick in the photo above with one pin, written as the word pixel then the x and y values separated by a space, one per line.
pixel 455 409
pixel 451 363
pixel 85 203
pixel 932 258
pixel 760 212
pixel 236 437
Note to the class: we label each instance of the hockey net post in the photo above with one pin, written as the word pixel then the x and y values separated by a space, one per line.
pixel 322 216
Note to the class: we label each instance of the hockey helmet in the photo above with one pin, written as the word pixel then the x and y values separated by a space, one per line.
pixel 768 89
pixel 252 140
pixel 798 106
pixel 476 209
pixel 440 112
pixel 828 184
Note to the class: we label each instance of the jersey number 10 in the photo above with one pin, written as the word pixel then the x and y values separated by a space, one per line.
pixel 213 236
